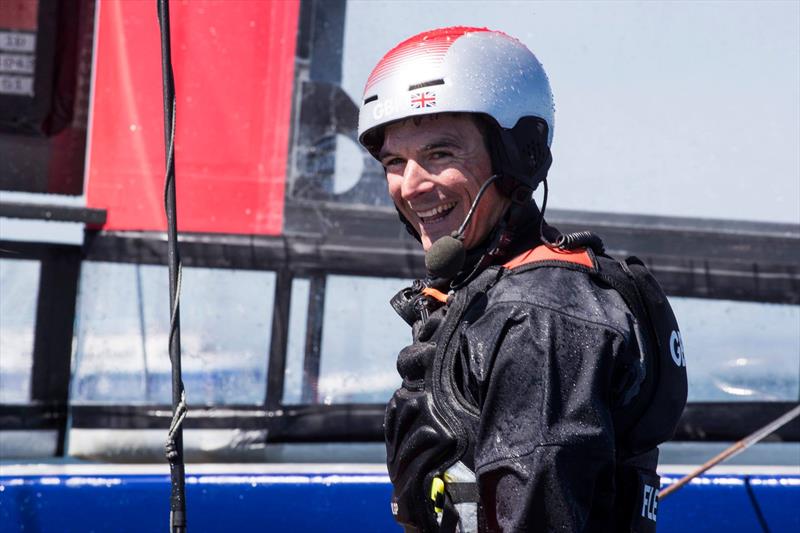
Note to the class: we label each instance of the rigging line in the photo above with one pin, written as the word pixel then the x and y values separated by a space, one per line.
pixel 762 521
pixel 174 444
pixel 736 448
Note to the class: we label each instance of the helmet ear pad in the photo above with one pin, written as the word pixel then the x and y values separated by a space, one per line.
pixel 520 154
pixel 373 140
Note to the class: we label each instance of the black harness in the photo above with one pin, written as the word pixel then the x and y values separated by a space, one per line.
pixel 427 430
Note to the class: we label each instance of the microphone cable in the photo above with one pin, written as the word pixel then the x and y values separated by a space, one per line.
pixel 463 227
pixel 446 256
pixel 568 241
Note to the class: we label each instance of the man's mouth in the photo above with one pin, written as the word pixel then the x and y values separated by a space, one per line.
pixel 437 213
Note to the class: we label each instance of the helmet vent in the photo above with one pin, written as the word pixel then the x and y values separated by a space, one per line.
pixel 430 83
pixel 370 99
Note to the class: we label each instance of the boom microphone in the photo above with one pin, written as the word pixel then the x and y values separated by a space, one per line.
pixel 446 256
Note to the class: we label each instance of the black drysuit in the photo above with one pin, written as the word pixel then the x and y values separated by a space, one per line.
pixel 535 378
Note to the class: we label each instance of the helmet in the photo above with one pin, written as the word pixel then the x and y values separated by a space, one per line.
pixel 472 70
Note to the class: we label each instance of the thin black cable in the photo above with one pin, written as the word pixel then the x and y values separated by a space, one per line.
pixel 569 241
pixel 463 227
pixel 542 236
pixel 762 521
pixel 174 445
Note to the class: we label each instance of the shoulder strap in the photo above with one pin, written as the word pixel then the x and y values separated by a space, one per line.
pixel 665 362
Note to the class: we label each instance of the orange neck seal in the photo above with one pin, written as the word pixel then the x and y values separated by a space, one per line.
pixel 541 253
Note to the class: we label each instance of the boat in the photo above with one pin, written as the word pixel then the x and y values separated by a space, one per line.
pixel 290 251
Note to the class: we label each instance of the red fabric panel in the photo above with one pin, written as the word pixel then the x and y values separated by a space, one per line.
pixel 21 15
pixel 234 67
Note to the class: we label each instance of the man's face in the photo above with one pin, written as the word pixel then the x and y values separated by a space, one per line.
pixel 434 169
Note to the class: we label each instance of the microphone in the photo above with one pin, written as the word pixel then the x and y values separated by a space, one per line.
pixel 445 258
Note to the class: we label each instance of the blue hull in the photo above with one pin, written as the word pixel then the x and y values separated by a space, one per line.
pixel 323 498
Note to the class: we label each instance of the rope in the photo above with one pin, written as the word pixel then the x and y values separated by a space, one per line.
pixel 176 425
pixel 174 444
pixel 736 448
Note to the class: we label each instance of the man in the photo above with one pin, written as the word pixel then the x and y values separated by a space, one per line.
pixel 543 373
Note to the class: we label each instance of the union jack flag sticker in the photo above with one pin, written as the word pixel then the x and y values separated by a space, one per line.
pixel 423 99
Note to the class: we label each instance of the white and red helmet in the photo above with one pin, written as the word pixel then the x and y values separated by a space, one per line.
pixel 456 69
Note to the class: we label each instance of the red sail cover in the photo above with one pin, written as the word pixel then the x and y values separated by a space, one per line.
pixel 234 67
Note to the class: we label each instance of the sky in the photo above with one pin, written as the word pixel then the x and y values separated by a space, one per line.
pixel 664 108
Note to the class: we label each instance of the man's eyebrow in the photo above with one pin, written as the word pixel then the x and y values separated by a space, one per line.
pixel 444 143
pixel 383 154
pixel 435 145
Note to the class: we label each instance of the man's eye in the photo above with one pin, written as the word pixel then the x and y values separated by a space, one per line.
pixel 439 154
pixel 392 162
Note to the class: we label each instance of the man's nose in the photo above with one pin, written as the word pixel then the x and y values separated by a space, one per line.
pixel 416 181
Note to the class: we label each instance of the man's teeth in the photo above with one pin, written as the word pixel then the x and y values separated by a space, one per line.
pixel 436 210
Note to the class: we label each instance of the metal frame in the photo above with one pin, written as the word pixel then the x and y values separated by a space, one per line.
pixel 276 367
pixel 52 347
pixel 774 250
pixel 314 322
pixel 730 260
pixel 58 213
pixel 701 421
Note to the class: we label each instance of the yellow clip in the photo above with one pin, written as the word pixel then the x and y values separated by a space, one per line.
pixel 437 494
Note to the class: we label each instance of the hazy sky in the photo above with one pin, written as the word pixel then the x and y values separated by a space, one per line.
pixel 670 108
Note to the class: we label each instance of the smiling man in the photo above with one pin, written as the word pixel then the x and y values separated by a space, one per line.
pixel 435 167
pixel 542 375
